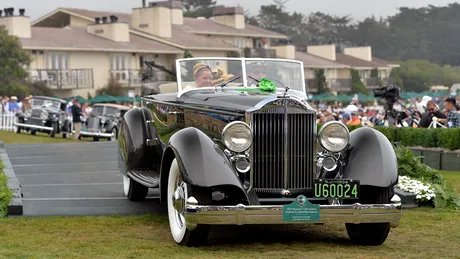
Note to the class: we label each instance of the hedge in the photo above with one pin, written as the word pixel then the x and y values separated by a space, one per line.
pixel 411 137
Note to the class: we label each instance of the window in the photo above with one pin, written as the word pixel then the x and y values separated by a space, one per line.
pixel 57 60
pixel 239 42
pixel 119 62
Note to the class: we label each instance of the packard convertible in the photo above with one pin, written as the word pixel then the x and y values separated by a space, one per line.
pixel 47 114
pixel 234 141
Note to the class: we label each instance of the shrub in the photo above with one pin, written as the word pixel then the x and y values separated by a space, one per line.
pixel 5 193
pixel 411 137
pixel 39 88
pixel 113 87
pixel 410 165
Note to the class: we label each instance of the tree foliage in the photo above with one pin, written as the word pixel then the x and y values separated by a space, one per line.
pixel 13 63
pixel 321 81
pixel 357 86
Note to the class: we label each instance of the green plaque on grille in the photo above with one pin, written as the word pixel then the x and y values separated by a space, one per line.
pixel 301 210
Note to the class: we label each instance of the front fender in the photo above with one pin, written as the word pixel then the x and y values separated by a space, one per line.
pixel 201 161
pixel 132 148
pixel 371 159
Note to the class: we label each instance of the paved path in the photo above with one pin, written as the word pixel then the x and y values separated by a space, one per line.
pixel 74 179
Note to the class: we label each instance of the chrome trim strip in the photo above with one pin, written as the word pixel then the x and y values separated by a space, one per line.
pixel 286 153
pixel 94 134
pixel 189 107
pixel 273 214
pixel 23 125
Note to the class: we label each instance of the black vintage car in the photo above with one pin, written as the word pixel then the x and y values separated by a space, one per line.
pixel 47 114
pixel 221 152
pixel 104 121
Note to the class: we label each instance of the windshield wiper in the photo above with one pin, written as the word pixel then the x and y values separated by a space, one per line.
pixel 228 81
pixel 255 79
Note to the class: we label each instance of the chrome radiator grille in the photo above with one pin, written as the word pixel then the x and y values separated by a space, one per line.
pixel 282 151
pixel 36 113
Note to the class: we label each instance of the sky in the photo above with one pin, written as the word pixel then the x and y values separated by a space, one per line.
pixel 358 9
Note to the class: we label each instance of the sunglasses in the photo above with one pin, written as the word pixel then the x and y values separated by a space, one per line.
pixel 431 110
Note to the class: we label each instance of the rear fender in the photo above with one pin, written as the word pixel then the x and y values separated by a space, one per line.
pixel 371 159
pixel 201 161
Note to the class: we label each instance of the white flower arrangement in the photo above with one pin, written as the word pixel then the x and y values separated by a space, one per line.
pixel 423 191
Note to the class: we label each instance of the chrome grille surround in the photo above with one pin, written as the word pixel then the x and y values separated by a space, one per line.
pixel 282 152
pixel 36 113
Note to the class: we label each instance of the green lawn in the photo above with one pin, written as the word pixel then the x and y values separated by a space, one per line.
pixel 423 233
pixel 9 137
pixel 453 178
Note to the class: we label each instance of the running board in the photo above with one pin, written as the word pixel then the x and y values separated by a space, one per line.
pixel 148 178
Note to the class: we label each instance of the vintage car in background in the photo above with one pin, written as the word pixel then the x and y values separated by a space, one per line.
pixel 234 141
pixel 47 114
pixel 103 122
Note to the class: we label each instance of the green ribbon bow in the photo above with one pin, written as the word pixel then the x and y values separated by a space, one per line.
pixel 267 85
pixel 264 85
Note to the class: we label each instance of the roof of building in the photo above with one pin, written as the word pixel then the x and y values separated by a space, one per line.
pixel 356 62
pixel 197 26
pixel 79 38
pixel 180 36
pixel 310 60
pixel 209 26
pixel 384 62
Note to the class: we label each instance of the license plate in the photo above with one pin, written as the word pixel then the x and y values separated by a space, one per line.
pixel 336 188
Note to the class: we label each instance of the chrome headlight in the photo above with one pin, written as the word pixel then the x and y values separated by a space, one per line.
pixel 44 115
pixel 334 136
pixel 103 121
pixel 237 136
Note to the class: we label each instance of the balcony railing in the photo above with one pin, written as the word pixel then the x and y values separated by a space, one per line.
pixel 132 78
pixel 259 53
pixel 334 84
pixel 63 79
pixel 374 82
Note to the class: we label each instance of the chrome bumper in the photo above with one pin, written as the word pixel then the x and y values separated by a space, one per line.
pixel 94 134
pixel 261 214
pixel 24 125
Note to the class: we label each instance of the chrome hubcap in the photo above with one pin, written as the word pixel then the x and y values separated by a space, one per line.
pixel 178 199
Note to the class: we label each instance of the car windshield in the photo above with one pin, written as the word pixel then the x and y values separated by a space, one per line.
pixel 46 103
pixel 97 110
pixel 196 73
pixel 105 111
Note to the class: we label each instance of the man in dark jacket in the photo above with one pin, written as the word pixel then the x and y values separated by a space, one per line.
pixel 431 111
pixel 76 112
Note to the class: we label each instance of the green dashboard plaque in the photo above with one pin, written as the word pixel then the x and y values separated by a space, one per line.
pixel 301 210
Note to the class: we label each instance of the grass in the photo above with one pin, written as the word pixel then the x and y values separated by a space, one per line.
pixel 453 178
pixel 9 137
pixel 423 233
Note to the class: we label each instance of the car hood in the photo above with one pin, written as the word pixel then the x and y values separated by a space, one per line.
pixel 232 100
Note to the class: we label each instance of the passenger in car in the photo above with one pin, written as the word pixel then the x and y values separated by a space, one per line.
pixel 203 76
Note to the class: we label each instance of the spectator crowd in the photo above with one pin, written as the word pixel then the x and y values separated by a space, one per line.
pixel 419 113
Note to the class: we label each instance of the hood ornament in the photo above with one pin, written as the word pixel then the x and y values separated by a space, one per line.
pixel 286 89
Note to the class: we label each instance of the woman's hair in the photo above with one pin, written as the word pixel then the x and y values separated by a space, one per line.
pixel 197 68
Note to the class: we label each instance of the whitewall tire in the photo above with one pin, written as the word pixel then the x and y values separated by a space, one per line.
pixel 177 193
pixel 134 190
pixel 126 184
